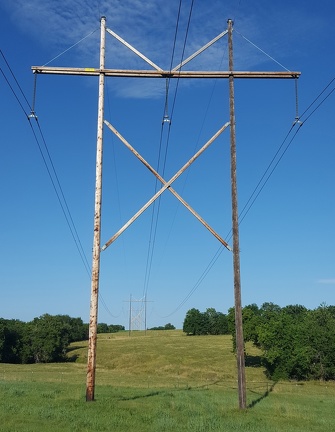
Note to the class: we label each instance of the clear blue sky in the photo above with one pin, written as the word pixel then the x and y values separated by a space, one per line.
pixel 286 239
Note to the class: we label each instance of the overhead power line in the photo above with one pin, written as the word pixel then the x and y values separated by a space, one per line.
pixel 166 116
pixel 260 186
pixel 16 81
pixel 50 167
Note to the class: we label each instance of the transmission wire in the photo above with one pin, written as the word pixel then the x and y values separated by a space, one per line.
pixel 64 207
pixel 228 237
pixel 16 81
pixel 154 220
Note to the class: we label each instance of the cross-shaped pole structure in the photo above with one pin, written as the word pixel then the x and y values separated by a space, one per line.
pixel 158 72
pixel 166 186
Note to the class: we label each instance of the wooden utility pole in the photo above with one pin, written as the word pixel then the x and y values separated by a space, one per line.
pixel 236 248
pixel 92 341
pixel 157 72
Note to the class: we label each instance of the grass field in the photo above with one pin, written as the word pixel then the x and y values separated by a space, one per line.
pixel 161 381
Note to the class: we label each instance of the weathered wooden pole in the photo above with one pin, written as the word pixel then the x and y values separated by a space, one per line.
pixel 236 248
pixel 92 342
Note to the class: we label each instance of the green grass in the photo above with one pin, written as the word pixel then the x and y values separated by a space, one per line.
pixel 164 381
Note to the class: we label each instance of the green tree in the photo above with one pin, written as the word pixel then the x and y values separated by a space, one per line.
pixel 12 334
pixel 195 323
pixel 251 317
pixel 169 326
pixel 285 352
pixel 217 322
pixel 231 321
pixel 102 328
pixel 298 343
pixel 78 330
pixel 50 337
pixel 2 339
pixel 320 337
pixel 114 328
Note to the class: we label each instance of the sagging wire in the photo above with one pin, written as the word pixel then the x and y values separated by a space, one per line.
pixel 259 187
pixel 156 210
pixel 51 172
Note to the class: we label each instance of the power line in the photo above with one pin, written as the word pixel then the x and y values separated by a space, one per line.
pixel 15 95
pixel 16 81
pixel 257 190
pixel 43 156
pixel 71 223
pixel 319 95
pixel 51 173
pixel 182 58
pixel 266 171
pixel 166 119
pixel 195 146
pixel 155 218
pixel 318 106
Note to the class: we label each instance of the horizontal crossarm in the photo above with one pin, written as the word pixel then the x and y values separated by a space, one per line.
pixel 162 74
pixel 150 168
pixel 165 186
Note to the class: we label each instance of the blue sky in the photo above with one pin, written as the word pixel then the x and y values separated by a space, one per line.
pixel 286 239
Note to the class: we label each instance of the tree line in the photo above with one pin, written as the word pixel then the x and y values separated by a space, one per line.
pixel 167 326
pixel 43 340
pixel 209 322
pixel 295 342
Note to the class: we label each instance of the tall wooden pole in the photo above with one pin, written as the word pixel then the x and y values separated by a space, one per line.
pixel 236 248
pixel 92 343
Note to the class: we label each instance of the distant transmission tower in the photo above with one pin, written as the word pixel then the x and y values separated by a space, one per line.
pixel 137 314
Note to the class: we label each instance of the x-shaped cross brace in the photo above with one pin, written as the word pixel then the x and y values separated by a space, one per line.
pixel 166 185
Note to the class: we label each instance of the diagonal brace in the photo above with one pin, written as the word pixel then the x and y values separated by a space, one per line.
pixel 191 57
pixel 119 38
pixel 150 168
pixel 166 185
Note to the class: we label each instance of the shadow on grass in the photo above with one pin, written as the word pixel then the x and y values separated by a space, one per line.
pixel 73 348
pixel 154 393
pixel 263 396
pixel 253 361
pixel 170 393
pixel 74 357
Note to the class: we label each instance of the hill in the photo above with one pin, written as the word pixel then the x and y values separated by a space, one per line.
pixel 165 359
pixel 158 381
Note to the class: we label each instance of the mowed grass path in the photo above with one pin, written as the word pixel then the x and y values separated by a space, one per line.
pixel 161 381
